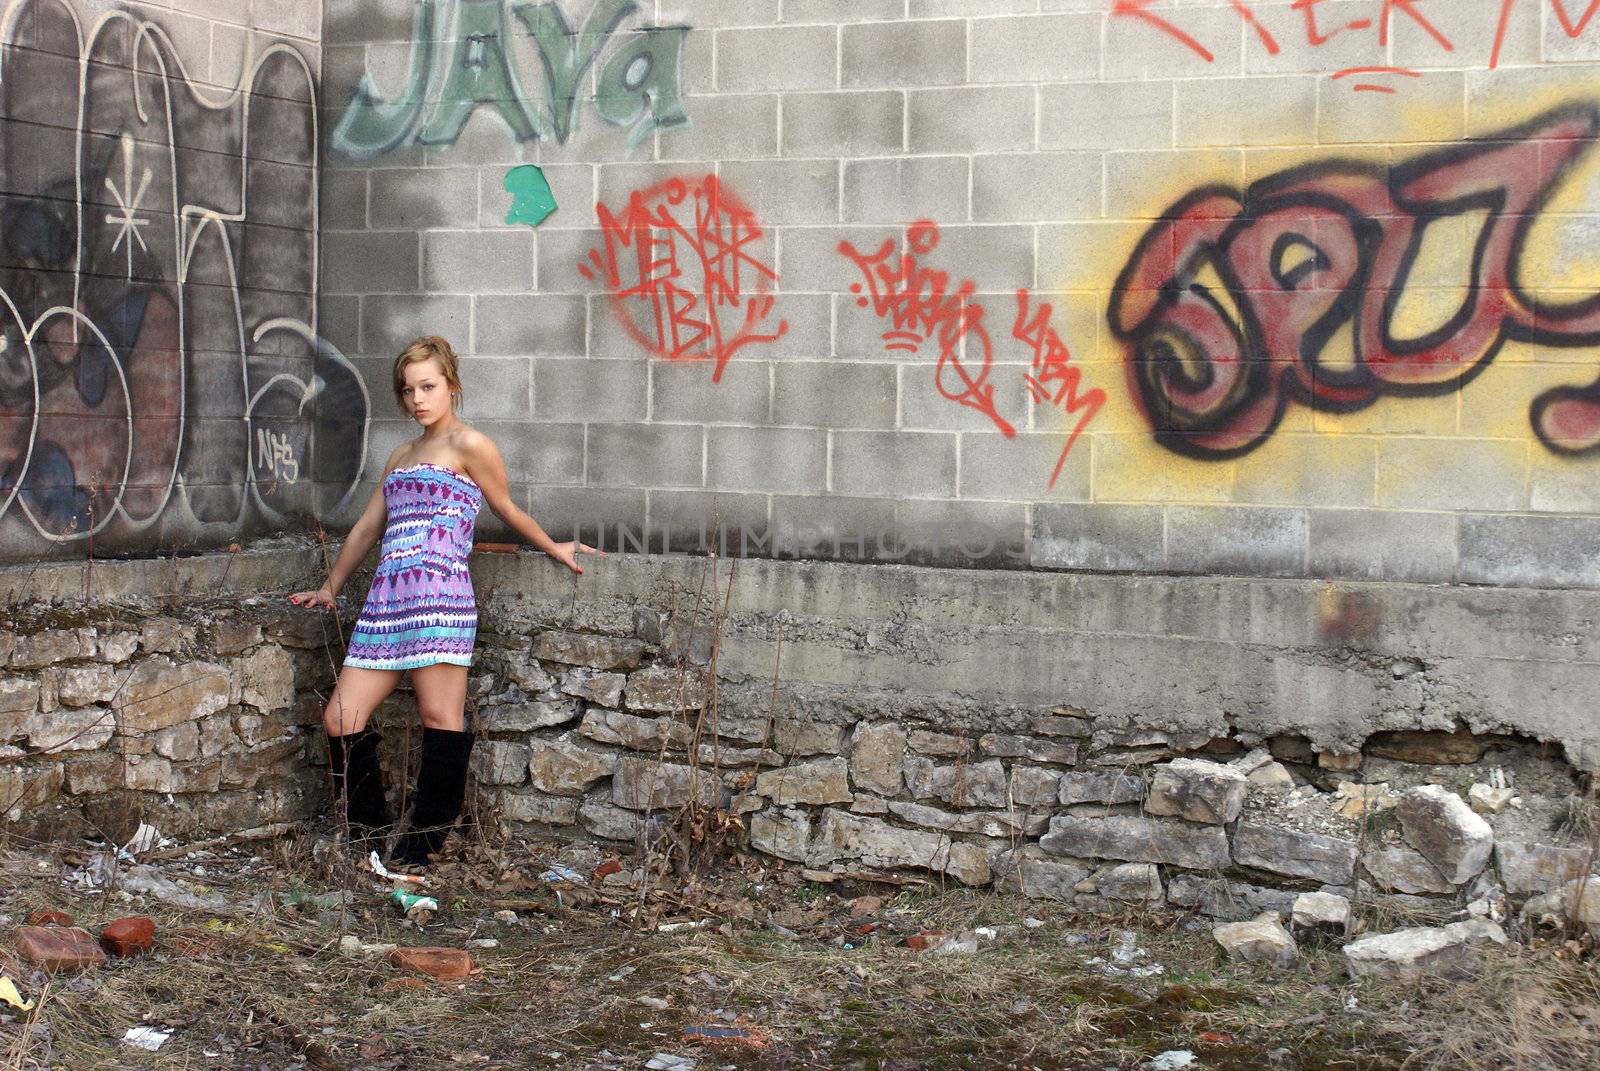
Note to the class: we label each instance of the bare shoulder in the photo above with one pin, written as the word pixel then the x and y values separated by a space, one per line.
pixel 397 455
pixel 473 443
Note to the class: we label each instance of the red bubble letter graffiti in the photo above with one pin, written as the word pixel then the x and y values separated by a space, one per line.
pixel 1306 252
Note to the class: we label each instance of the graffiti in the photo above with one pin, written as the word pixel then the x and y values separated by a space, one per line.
pixel 1302 20
pixel 921 307
pixel 463 58
pixel 532 200
pixel 682 267
pixel 160 371
pixel 1053 380
pixel 1306 253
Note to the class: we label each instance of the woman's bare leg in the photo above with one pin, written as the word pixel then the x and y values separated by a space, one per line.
pixel 441 696
pixel 356 695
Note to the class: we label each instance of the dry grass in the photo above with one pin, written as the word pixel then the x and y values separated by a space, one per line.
pixel 571 986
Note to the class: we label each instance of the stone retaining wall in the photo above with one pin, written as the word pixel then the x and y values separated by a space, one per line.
pixel 780 693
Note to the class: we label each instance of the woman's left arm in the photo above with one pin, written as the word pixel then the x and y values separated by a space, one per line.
pixel 488 469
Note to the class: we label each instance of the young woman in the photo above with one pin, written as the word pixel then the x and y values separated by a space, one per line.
pixel 419 614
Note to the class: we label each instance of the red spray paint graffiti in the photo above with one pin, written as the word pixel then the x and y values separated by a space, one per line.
pixel 1320 27
pixel 683 259
pixel 921 306
pixel 1303 253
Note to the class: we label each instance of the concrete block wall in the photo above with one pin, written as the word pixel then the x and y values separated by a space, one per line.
pixel 164 381
pixel 1292 396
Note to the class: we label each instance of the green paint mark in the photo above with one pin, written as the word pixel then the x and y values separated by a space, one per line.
pixel 480 73
pixel 643 80
pixel 531 198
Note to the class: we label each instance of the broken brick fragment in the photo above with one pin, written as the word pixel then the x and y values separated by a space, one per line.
pixel 434 962
pixel 58 948
pixel 129 936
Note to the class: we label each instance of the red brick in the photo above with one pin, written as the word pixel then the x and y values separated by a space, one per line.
pixel 607 868
pixel 58 948
pixel 129 936
pixel 46 917
pixel 921 942
pixel 435 962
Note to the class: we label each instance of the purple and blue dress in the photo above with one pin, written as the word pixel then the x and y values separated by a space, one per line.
pixel 420 610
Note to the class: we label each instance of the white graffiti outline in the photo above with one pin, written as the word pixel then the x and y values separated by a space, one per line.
pixel 190 222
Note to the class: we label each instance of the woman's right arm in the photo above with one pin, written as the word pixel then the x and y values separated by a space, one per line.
pixel 363 534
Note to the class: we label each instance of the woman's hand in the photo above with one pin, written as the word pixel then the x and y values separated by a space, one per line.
pixel 322 598
pixel 567 554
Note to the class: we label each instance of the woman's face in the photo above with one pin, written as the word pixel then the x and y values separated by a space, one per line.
pixel 426 393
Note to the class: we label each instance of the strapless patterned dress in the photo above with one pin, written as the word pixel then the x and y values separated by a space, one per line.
pixel 420 610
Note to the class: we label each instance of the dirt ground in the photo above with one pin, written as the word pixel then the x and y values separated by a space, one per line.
pixel 742 966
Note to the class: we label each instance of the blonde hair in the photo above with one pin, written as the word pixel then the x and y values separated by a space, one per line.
pixel 428 348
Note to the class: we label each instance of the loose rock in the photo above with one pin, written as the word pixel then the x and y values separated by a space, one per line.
pixel 1440 825
pixel 48 917
pixel 1261 940
pixel 1294 854
pixel 1405 955
pixel 1537 868
pixel 1138 840
pixel 1320 912
pixel 1486 799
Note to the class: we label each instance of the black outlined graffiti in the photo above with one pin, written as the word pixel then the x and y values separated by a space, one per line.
pixel 160 370
pixel 1307 252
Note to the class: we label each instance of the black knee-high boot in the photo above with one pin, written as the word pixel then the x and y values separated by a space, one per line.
pixel 441 788
pixel 358 783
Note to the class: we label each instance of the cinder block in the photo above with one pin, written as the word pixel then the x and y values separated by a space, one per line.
pixel 918 9
pixel 1561 485
pixel 390 321
pixel 777 58
pixel 1482 474
pixel 596 515
pixel 997 259
pixel 495 388
pixel 1345 117
pixel 1238 540
pixel 964 535
pixel 538 453
pixel 698 522
pixel 532 325
pixel 836 527
pixel 354 21
pixel 703 13
pixel 1228 111
pixel 842 10
pixel 785 191
pixel 559 253
pixel 1143 185
pixel 1372 544
pixel 369 262
pixel 1098 537
pixel 1106 115
pixel 831 394
pixel 809 257
pixel 901 463
pixel 1066 250
pixel 924 406
pixel 1019 468
pixel 900 190
pixel 904 53
pixel 1036 48
pixel 855 123
pixel 342 201
pixel 683 391
pixel 1135 48
pixel 810 332
pixel 727 127
pixel 1309 470
pixel 590 389
pixel 339 322
pixel 468 262
pixel 616 183
pixel 970 119
pixel 1036 186
pixel 1411 45
pixel 775 460
pixel 1536 552
pixel 416 198
pixel 646 455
